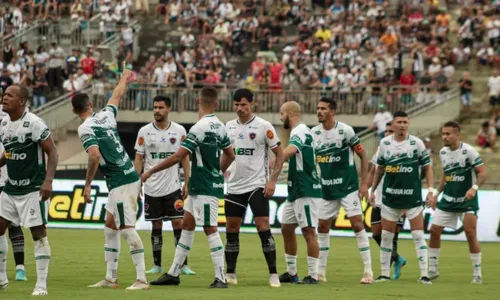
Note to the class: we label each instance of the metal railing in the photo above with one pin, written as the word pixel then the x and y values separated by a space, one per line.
pixel 139 97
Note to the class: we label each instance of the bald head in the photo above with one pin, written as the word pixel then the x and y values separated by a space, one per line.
pixel 290 114
pixel 291 107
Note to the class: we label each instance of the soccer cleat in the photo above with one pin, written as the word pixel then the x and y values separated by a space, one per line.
pixel 138 285
pixel 433 275
pixel 4 285
pixel 218 284
pixel 308 280
pixel 105 284
pixel 477 280
pixel 39 291
pixel 155 270
pixel 186 270
pixel 231 278
pixel 166 279
pixel 287 278
pixel 382 279
pixel 322 277
pixel 398 265
pixel 274 280
pixel 21 275
pixel 367 278
pixel 424 280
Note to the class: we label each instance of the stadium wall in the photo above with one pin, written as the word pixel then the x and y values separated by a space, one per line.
pixel 67 209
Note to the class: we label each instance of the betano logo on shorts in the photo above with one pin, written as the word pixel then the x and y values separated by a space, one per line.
pixel 454 178
pixel 398 169
pixel 322 159
pixel 14 156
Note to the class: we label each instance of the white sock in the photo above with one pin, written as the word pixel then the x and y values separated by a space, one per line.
pixel 181 252
pixel 217 254
pixel 136 251
pixel 385 252
pixel 422 251
pixel 112 253
pixel 434 259
pixel 324 250
pixel 364 250
pixel 291 264
pixel 42 258
pixel 476 263
pixel 4 247
pixel 312 267
pixel 20 267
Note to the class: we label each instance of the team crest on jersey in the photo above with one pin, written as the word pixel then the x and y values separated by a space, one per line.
pixel 341 131
pixel 462 163
pixel 387 143
pixel 146 207
pixel 252 135
pixel 172 140
pixel 338 143
pixel 413 143
pixel 270 134
pixel 409 153
pixel 318 132
pixel 387 155
pixel 179 205
pixel 4 123
pixel 443 152
pixel 21 138
pixel 26 124
pixel 140 141
pixel 464 151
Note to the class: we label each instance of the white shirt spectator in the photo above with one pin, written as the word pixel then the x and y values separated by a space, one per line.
pixel 159 75
pixel 41 58
pixel 221 28
pixel 494 85
pixel 170 67
pixel 485 52
pixel 15 72
pixel 127 35
pixel 187 38
pixel 343 81
pixel 175 8
pixel 379 68
pixel 493 29
pixel 225 10
pixel 434 68
pixel 72 85
pixel 380 119
pixel 449 71
pixel 82 80
pixel 57 59
pixel 461 54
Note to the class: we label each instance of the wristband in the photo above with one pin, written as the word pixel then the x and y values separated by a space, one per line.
pixel 430 189
pixel 436 193
pixel 475 187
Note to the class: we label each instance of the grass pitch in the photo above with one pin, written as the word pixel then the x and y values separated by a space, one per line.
pixel 78 261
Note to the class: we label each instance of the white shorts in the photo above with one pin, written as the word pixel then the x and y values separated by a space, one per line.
pixel 449 219
pixel 27 210
pixel 303 211
pixel 394 214
pixel 330 208
pixel 122 204
pixel 205 209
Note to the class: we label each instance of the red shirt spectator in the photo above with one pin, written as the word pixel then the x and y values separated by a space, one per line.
pixel 432 50
pixel 212 78
pixel 88 64
pixel 257 67
pixel 275 72
pixel 407 79
pixel 415 17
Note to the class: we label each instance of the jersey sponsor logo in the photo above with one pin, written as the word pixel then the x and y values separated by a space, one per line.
pixel 316 186
pixel 270 134
pixel 454 178
pixel 252 135
pixel 413 143
pixel 21 182
pixel 15 156
pixel 453 199
pixel 26 124
pixel 341 131
pixel 241 137
pixel 173 140
pixel 244 151
pixel 179 205
pixel 387 143
pixel 322 159
pixel 329 182
pixel 464 151
pixel 214 126
pixel 399 191
pixel 218 185
pixel 398 169
pixel 140 142
pixel 129 171
pixel 161 155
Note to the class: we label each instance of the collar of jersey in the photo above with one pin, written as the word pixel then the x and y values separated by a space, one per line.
pixel 209 115
pixel 297 125
pixel 159 129
pixel 248 122
pixel 407 138
pixel 334 126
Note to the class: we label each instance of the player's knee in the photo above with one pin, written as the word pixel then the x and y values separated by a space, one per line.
pixel 38 232
pixel 158 224
pixel 287 229
pixel 357 223
pixel 209 230
pixel 16 233
pixel 470 232
pixel 262 224
pixel 324 226
pixel 436 230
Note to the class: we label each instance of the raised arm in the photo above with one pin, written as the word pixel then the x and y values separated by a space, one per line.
pixel 121 88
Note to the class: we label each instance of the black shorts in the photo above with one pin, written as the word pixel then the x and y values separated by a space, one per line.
pixel 494 100
pixel 164 208
pixel 376 217
pixel 236 205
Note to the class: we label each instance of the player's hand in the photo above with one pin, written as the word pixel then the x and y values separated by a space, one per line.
pixel 184 191
pixel 145 176
pixel 471 193
pixel 125 72
pixel 46 190
pixel 372 199
pixel 86 194
pixel 429 199
pixel 363 191
pixel 269 189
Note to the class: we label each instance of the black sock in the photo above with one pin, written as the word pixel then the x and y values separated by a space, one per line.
pixel 395 255
pixel 377 238
pixel 232 251
pixel 177 237
pixel 157 243
pixel 269 249
pixel 16 237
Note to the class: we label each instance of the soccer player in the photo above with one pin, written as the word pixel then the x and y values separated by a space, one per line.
pixel 26 139
pixel 204 142
pixel 100 139
pixel 376 218
pixel 16 234
pixel 163 195
pixel 304 193
pixel 463 174
pixel 250 183
pixel 335 144
pixel 399 158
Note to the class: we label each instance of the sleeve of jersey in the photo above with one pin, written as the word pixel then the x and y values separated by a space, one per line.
pixel 225 142
pixel 87 137
pixel 40 131
pixel 380 155
pixel 423 156
pixel 353 140
pixel 272 138
pixel 111 110
pixel 191 141
pixel 296 141
pixel 139 143
pixel 474 157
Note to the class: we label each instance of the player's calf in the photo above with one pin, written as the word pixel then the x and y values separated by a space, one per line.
pixel 136 251
pixel 470 221
pixel 312 251
pixel 16 237
pixel 434 250
pixel 4 283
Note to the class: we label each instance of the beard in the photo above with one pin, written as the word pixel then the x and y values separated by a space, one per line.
pixel 159 118
pixel 286 123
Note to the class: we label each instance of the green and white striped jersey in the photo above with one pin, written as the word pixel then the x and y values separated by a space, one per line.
pixel 205 141
pixel 459 168
pixel 402 187
pixel 303 180
pixel 99 130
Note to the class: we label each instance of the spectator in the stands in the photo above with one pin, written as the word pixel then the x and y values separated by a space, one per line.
pixel 494 91
pixel 466 93
pixel 88 64
pixel 5 80
pixel 15 70
pixel 486 137
pixel 41 56
pixel 55 65
pixel 39 86
pixel 407 81
pixel 381 118
pixel 485 56
pixel 142 6
pixel 8 52
pixel 127 35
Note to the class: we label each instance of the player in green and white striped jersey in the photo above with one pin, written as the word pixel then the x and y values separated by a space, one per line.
pixel 304 192
pixel 463 174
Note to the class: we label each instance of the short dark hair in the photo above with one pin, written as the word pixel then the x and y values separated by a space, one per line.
pixel 400 113
pixel 243 93
pixel 453 125
pixel 23 91
pixel 332 104
pixel 80 102
pixel 485 124
pixel 162 98
pixel 208 95
pixel 388 124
